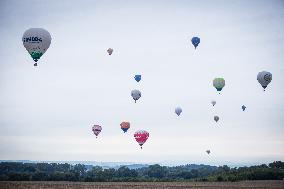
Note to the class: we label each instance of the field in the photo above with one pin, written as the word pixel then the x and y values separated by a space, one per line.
pixel 140 185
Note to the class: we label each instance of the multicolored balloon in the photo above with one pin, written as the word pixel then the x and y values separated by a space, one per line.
pixel 96 129
pixel 136 94
pixel 137 78
pixel 195 41
pixel 125 126
pixel 36 41
pixel 109 51
pixel 141 137
pixel 219 83
pixel 178 110
pixel 264 78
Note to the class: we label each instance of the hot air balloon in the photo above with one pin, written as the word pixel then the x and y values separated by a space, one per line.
pixel 109 51
pixel 213 102
pixel 195 41
pixel 244 107
pixel 178 110
pixel 208 151
pixel 219 83
pixel 216 118
pixel 136 94
pixel 96 129
pixel 264 78
pixel 36 41
pixel 125 126
pixel 141 137
pixel 137 78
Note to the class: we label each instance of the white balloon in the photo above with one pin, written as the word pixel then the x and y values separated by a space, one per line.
pixel 36 41
pixel 264 78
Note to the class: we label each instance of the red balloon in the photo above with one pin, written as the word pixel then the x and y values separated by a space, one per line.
pixel 141 137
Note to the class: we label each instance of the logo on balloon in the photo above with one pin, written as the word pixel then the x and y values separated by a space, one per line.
pixel 267 77
pixel 32 39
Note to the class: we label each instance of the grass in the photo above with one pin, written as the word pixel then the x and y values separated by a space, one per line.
pixel 141 185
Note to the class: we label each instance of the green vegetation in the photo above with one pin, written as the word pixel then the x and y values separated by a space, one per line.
pixel 16 171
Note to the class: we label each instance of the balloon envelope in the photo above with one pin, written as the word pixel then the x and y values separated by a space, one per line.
pixel 219 83
pixel 264 78
pixel 136 94
pixel 137 78
pixel 178 110
pixel 125 126
pixel 213 102
pixel 216 118
pixel 208 151
pixel 36 41
pixel 195 41
pixel 96 129
pixel 110 50
pixel 141 137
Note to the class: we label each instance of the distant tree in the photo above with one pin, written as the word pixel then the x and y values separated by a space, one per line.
pixel 277 164
pixel 186 175
pixel 39 176
pixel 109 174
pixel 220 178
pixel 157 171
pixel 14 176
pixel 194 173
pixel 17 171
pixel 80 171
pixel 126 172
pixel 225 168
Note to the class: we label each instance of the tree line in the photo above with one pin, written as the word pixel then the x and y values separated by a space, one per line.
pixel 17 171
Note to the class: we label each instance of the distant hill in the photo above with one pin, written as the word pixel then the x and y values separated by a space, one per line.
pixel 115 165
pixel 134 166
pixel 89 164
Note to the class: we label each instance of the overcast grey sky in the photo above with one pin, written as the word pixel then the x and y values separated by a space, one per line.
pixel 46 112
